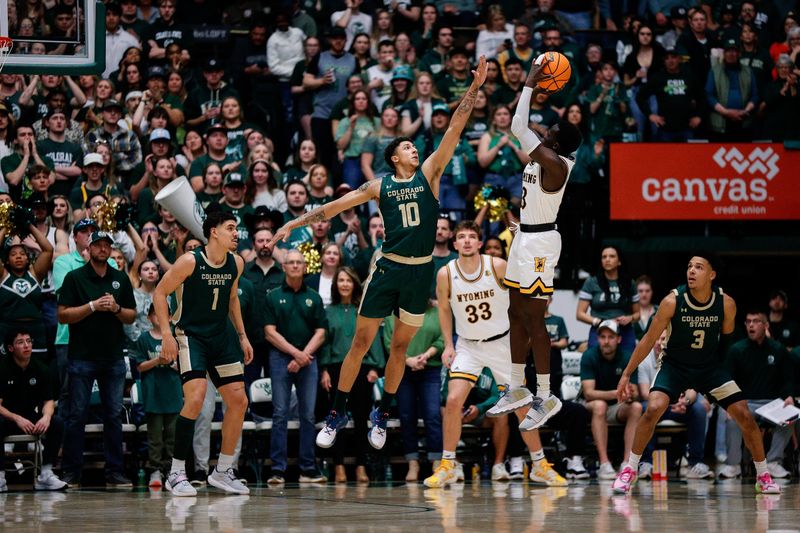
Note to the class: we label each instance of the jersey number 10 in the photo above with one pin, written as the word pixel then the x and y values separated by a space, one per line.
pixel 410 214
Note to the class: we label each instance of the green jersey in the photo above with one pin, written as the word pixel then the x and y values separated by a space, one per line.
pixel 694 331
pixel 409 211
pixel 202 300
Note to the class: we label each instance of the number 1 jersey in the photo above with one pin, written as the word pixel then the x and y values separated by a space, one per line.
pixel 202 301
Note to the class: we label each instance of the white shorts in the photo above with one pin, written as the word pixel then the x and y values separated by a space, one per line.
pixel 532 262
pixel 473 356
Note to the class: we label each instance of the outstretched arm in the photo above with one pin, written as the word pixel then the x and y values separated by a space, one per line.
pixel 552 165
pixel 664 314
pixel 438 160
pixel 369 190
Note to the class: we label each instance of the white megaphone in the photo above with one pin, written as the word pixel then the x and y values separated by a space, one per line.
pixel 179 199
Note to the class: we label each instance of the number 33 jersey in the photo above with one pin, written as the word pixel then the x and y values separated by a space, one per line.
pixel 202 300
pixel 479 301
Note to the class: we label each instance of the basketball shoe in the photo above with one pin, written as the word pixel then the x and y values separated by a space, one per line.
pixel 442 476
pixel 511 400
pixel 333 423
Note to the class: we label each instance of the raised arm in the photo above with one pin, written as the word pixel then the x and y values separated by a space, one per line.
pixel 660 321
pixel 438 160
pixel 369 190
pixel 42 265
pixel 554 170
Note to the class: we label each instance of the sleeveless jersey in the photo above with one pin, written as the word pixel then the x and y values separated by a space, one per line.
pixel 202 300
pixel 479 301
pixel 409 210
pixel 538 206
pixel 20 297
pixel 694 331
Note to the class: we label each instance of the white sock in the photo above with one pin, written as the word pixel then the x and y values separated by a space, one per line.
pixel 633 461
pixel 450 456
pixel 542 385
pixel 178 465
pixel 224 462
pixel 538 455
pixel 2 475
pixel 761 467
pixel 46 468
pixel 517 375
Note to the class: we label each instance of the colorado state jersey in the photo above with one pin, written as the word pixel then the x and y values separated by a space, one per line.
pixel 479 301
pixel 203 298
pixel 409 212
pixel 538 206
pixel 694 331
pixel 20 297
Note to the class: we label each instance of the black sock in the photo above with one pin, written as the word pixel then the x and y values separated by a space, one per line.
pixel 340 402
pixel 386 402
pixel 184 434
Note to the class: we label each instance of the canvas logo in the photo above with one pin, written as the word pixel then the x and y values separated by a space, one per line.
pixel 764 162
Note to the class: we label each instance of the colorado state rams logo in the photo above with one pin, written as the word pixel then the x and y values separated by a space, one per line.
pixel 115 284
pixel 308 302
pixel 22 287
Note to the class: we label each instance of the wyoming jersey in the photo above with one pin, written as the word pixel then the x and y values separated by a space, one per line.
pixel 479 303
pixel 537 247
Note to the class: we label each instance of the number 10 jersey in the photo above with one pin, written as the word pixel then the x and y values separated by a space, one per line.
pixel 479 301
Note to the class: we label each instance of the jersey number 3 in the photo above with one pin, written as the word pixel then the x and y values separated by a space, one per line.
pixel 699 339
pixel 482 312
pixel 410 214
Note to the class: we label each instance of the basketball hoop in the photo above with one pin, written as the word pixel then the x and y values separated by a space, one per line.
pixel 6 44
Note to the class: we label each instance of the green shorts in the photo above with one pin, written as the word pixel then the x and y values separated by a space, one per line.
pixel 399 289
pixel 714 381
pixel 220 357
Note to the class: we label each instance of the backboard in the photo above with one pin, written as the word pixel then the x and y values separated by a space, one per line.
pixel 68 37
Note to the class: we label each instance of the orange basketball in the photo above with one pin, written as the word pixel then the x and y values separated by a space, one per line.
pixel 558 68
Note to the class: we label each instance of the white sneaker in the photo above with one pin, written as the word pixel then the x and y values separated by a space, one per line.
pixel 699 471
pixel 47 480
pixel 178 484
pixel 510 401
pixel 499 473
pixel 606 471
pixel 777 471
pixel 575 468
pixel 645 471
pixel 730 472
pixel 517 466
pixel 156 479
pixel 540 412
pixel 459 470
pixel 227 481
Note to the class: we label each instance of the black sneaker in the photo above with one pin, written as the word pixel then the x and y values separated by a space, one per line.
pixel 117 480
pixel 199 478
pixel 72 480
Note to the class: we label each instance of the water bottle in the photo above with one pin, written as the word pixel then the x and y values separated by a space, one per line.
pixel 141 479
pixel 388 475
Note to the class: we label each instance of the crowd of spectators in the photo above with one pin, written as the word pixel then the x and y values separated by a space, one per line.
pixel 297 112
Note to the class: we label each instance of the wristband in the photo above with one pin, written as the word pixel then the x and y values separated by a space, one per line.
pixel 91 306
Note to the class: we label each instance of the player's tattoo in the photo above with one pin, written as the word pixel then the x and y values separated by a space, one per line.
pixel 315 215
pixel 364 186
pixel 467 103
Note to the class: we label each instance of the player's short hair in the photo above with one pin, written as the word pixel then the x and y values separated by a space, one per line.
pixel 214 219
pixel 468 225
pixel 569 138
pixel 388 152
pixel 711 258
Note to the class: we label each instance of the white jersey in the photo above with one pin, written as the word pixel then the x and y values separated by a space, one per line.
pixel 479 301
pixel 539 206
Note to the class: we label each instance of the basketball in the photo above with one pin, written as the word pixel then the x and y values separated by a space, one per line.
pixel 558 67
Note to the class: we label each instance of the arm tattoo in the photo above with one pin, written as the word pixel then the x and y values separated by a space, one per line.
pixel 364 186
pixel 467 103
pixel 315 215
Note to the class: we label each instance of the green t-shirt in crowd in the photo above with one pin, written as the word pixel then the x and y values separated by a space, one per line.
pixel 295 314
pixel 427 336
pixel 62 154
pixel 605 306
pixel 161 390
pixel 363 128
pixel 341 330
pixel 605 372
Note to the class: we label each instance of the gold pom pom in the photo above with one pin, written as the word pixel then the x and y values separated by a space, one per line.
pixel 313 259
pixel 106 217
pixel 495 197
pixel 6 223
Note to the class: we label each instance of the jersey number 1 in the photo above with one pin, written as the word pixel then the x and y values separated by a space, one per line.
pixel 410 214
pixel 216 297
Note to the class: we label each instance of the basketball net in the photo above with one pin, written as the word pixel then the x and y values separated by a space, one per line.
pixel 6 44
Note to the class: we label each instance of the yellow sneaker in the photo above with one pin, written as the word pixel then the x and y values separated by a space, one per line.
pixel 442 476
pixel 542 472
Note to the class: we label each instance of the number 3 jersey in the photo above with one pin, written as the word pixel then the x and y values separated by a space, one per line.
pixel 479 301
pixel 538 206
pixel 694 331
pixel 409 210
pixel 202 300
